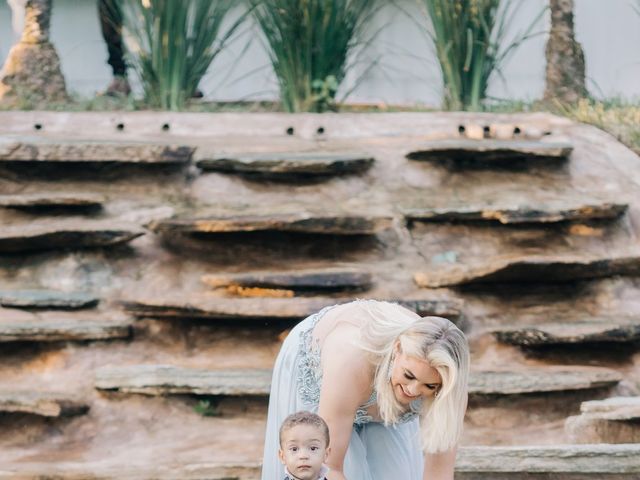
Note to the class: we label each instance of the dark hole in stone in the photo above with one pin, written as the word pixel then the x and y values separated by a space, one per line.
pixel 38 126
pixel 517 131
pixel 290 131
pixel 320 131
pixel 120 126
pixel 486 130
pixel 166 127
pixel 461 129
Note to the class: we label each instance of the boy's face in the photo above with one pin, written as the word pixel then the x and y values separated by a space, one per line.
pixel 303 450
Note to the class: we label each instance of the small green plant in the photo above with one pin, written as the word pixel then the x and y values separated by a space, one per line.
pixel 206 408
pixel 171 44
pixel 469 40
pixel 310 44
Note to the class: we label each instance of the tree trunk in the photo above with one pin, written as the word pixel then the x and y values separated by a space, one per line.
pixel 31 76
pixel 565 75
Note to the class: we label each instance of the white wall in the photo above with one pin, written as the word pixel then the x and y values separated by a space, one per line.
pixel 406 70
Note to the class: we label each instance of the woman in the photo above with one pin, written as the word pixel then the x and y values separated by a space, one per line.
pixel 389 383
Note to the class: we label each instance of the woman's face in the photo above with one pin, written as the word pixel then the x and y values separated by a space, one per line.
pixel 413 378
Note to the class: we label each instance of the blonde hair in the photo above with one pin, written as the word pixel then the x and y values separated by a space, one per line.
pixel 433 339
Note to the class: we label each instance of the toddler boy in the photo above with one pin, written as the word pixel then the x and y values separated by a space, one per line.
pixel 304 446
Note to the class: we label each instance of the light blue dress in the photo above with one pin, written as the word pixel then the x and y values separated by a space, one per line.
pixel 376 452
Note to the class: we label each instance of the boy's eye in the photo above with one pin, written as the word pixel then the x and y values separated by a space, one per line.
pixel 313 449
pixel 293 449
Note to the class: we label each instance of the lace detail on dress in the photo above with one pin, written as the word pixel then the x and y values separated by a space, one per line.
pixel 310 376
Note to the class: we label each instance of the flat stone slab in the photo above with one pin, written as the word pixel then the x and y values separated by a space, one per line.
pixel 491 151
pixel 328 279
pixel 170 380
pixel 31 149
pixel 40 298
pixel 298 223
pixel 539 380
pixel 614 408
pixel 565 268
pixel 68 233
pixel 208 307
pixel 44 404
pixel 285 164
pixel 79 201
pixel 583 460
pixel 52 327
pixel 518 214
pixel 613 330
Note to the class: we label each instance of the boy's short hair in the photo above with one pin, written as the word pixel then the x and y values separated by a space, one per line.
pixel 305 418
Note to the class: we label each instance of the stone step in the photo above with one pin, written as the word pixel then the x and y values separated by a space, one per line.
pixel 519 214
pixel 284 164
pixel 208 307
pixel 170 380
pixel 47 234
pixel 541 380
pixel 20 326
pixel 45 404
pixel 64 151
pixel 67 201
pixel 568 331
pixel 530 269
pixel 326 279
pixel 44 299
pixel 491 152
pixel 166 380
pixel 549 462
pixel 296 222
pixel 132 470
pixel 613 420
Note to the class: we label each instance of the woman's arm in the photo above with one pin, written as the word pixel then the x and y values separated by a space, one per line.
pixel 439 466
pixel 346 384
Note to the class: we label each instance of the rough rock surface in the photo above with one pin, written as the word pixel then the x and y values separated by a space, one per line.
pixel 46 404
pixel 530 269
pixel 285 164
pixel 70 201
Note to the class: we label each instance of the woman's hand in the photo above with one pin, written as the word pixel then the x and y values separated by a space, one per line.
pixel 439 466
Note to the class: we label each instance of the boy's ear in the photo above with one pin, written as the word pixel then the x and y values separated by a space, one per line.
pixel 281 456
pixel 326 454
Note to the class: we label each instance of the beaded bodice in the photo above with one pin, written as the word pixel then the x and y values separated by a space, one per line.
pixel 310 374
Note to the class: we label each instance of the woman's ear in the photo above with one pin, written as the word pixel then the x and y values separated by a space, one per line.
pixel 396 347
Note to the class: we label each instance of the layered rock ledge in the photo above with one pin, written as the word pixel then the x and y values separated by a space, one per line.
pixel 69 233
pixel 32 149
pixel 490 151
pixel 328 279
pixel 68 201
pixel 521 214
pixel 40 299
pixel 613 420
pixel 208 307
pixel 562 268
pixel 45 404
pixel 285 164
pixel 296 223
pixel 570 331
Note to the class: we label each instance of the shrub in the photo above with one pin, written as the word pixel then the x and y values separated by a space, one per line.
pixel 468 36
pixel 309 43
pixel 171 44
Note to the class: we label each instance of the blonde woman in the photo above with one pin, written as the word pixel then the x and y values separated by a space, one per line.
pixel 391 385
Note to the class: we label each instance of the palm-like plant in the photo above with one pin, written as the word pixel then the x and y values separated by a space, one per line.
pixel 310 42
pixel 468 36
pixel 172 43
